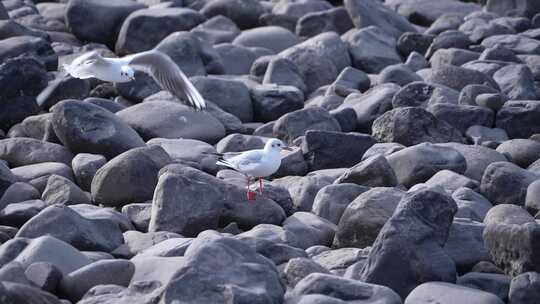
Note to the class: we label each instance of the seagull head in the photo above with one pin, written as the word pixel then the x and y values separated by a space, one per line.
pixel 127 73
pixel 276 145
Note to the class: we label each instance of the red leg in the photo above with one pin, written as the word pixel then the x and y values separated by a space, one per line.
pixel 250 194
pixel 260 186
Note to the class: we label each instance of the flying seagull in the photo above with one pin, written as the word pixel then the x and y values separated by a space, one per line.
pixel 153 62
pixel 255 163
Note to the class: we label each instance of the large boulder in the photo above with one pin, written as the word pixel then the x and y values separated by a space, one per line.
pixel 506 183
pixel 62 191
pixel 319 59
pixel 524 288
pixel 133 36
pixel 25 294
pixel 84 127
pixel 274 38
pixel 165 119
pixel 374 171
pixel 372 12
pixel 85 18
pixel 22 80
pixel 511 237
pixel 313 229
pixel 295 124
pixel 130 177
pixel 418 163
pixel 402 260
pixel 365 216
pixel 519 118
pixel 372 49
pixel 84 233
pixel 37 175
pixel 210 265
pixel 245 13
pixel 458 77
pixel 21 151
pixel 527 8
pixel 411 125
pixel 332 200
pixel 446 293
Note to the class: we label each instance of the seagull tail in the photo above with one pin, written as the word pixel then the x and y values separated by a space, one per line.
pixel 225 163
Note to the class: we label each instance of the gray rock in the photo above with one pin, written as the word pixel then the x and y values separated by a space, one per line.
pixel 457 77
pixel 425 12
pixel 372 172
pixel 276 252
pixel 452 56
pixel 303 189
pixel 371 104
pixel 350 80
pixel 321 147
pixel 62 191
pixel 421 94
pixel 497 284
pixel 24 294
pixel 338 261
pixel 270 102
pixel 382 148
pixel 491 101
pixel 282 71
pixel 294 124
pixel 451 181
pixel 31 47
pixel 471 204
pixel 313 229
pixel 51 250
pixel 463 116
pixel 332 200
pixel 335 20
pixel 418 163
pixel 532 199
pixel 230 95
pixel 526 8
pixel 133 36
pixel 465 244
pixel 135 243
pixel 399 74
pixel 365 216
pixel 217 263
pixel 189 151
pixel 16 214
pixel 510 236
pixel 506 183
pixel 524 288
pixel 75 285
pixel 44 275
pixel 14 272
pixel 522 152
pixel 83 127
pixel 84 19
pixel 410 126
pixel 17 192
pixel 470 92
pixel 217 29
pixel 85 166
pixel 448 39
pixel 397 254
pixel 66 87
pixel 297 10
pixel 516 43
pixel 135 172
pixel 94 212
pixel 519 118
pixel 85 234
pixel 345 289
pixel 410 42
pixel 139 214
pixel 244 13
pixel 299 268
pixel 166 119
pixel 237 59
pixel 499 52
pixel 371 49
pixel 319 59
pixel 517 82
pixel 274 38
pixel 26 151
pixel 38 174
pixel 373 13
pixel 447 293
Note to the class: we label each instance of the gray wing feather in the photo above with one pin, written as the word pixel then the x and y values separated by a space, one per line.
pixel 168 75
pixel 247 158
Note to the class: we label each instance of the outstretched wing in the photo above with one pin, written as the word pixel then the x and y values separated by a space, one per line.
pixel 82 66
pixel 168 75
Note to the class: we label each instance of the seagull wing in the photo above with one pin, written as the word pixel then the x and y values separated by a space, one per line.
pixel 244 161
pixel 168 75
pixel 82 66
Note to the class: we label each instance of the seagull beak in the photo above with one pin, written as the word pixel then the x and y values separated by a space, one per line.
pixel 288 148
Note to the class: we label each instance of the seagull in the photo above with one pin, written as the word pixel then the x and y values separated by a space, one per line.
pixel 159 65
pixel 255 163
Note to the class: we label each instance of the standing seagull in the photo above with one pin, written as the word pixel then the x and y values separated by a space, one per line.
pixel 255 163
pixel 157 64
